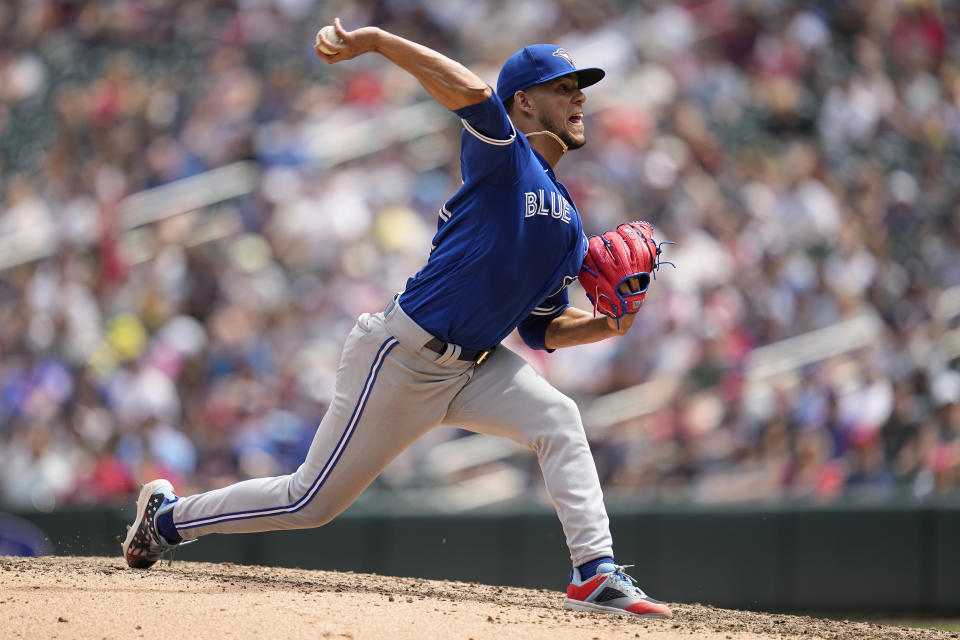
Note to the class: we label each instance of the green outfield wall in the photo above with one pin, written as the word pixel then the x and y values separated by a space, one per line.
pixel 892 559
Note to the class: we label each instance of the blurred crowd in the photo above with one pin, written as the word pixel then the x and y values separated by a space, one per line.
pixel 803 156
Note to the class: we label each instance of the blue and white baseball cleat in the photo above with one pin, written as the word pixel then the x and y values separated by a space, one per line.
pixel 144 545
pixel 611 590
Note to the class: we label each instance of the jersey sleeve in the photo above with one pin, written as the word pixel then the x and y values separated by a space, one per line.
pixel 489 149
pixel 533 329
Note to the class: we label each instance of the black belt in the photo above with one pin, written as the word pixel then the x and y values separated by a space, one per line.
pixel 470 355
pixel 439 346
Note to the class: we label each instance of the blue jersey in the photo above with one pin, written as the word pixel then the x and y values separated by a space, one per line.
pixel 507 245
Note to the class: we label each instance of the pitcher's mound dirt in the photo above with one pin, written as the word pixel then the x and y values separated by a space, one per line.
pixel 69 597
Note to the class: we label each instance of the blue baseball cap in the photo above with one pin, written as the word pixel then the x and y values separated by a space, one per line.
pixel 541 63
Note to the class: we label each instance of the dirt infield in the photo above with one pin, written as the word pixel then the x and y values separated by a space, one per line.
pixel 70 597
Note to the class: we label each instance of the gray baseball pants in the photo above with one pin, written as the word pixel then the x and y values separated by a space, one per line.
pixel 390 390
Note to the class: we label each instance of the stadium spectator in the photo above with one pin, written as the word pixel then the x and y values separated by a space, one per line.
pixel 803 156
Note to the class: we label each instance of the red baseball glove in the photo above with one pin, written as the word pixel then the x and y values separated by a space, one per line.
pixel 618 267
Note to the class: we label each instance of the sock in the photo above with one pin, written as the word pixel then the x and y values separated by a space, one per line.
pixel 589 569
pixel 166 529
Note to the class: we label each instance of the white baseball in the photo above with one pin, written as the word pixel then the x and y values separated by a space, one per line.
pixel 331 35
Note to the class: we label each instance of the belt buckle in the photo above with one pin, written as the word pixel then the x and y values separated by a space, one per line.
pixel 483 356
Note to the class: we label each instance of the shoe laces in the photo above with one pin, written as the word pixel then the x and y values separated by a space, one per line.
pixel 165 549
pixel 624 579
pixel 170 549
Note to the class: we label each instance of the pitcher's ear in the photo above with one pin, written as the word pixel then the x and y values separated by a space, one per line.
pixel 521 102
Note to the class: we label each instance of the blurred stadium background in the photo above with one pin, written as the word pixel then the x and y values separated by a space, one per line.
pixel 194 210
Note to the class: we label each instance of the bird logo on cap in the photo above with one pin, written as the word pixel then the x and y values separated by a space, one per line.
pixel 562 53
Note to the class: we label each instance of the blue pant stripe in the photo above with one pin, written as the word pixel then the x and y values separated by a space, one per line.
pixel 303 501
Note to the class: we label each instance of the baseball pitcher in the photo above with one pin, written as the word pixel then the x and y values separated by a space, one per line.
pixel 508 244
